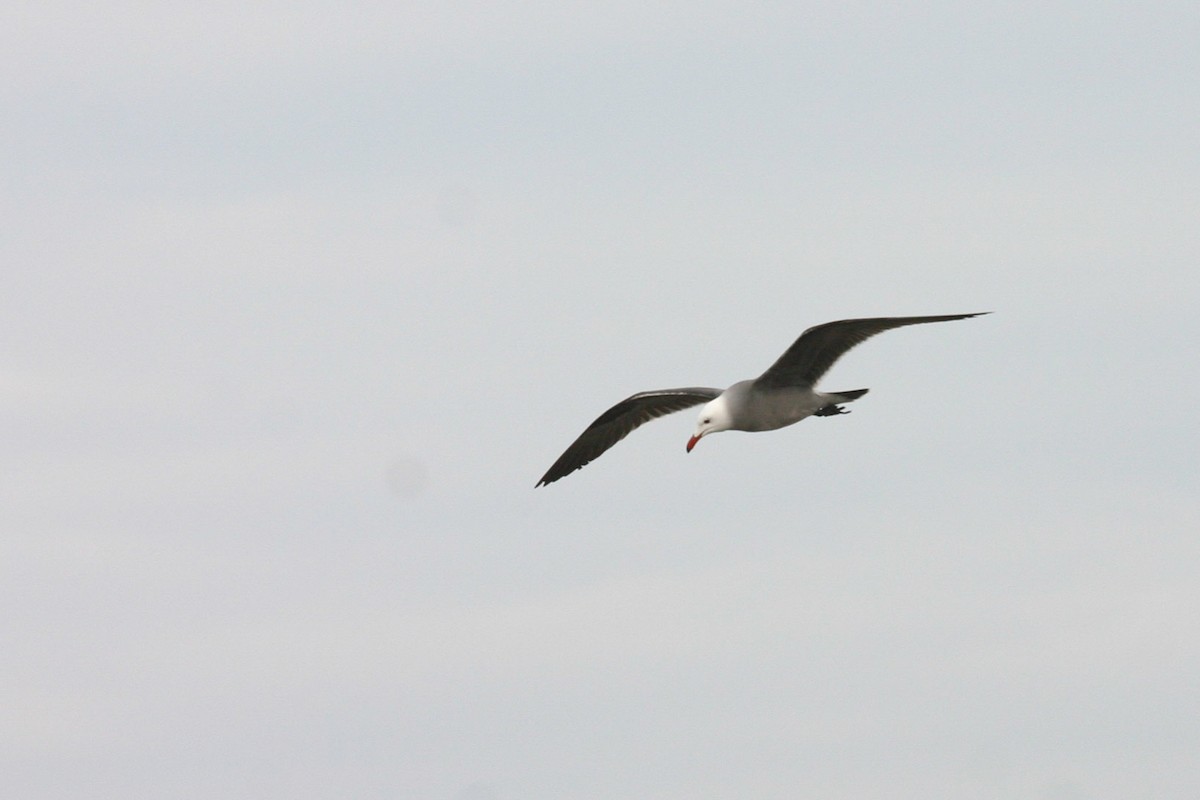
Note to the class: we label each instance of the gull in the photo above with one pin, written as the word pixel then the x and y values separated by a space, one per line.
pixel 783 395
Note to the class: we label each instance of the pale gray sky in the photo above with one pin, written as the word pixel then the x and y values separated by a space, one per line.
pixel 301 299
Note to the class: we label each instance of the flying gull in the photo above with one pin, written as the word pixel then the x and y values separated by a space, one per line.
pixel 781 396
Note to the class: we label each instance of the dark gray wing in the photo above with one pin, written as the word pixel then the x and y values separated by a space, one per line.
pixel 819 347
pixel 615 424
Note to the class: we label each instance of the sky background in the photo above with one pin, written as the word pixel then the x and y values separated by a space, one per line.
pixel 300 299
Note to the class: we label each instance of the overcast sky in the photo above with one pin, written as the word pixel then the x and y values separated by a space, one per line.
pixel 301 299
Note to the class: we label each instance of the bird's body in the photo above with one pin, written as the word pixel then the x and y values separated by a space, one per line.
pixel 781 396
pixel 770 409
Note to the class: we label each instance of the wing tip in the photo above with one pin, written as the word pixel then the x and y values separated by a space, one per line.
pixel 554 475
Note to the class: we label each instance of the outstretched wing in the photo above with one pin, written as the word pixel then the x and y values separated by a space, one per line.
pixel 615 424
pixel 819 347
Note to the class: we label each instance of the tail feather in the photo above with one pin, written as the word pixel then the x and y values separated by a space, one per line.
pixel 846 397
pixel 833 409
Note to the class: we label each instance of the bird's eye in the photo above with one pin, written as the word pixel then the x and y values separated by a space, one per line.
pixel 707 420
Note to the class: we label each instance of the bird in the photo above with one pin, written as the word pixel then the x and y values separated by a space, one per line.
pixel 783 395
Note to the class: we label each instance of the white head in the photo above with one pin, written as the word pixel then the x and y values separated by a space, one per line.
pixel 714 417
